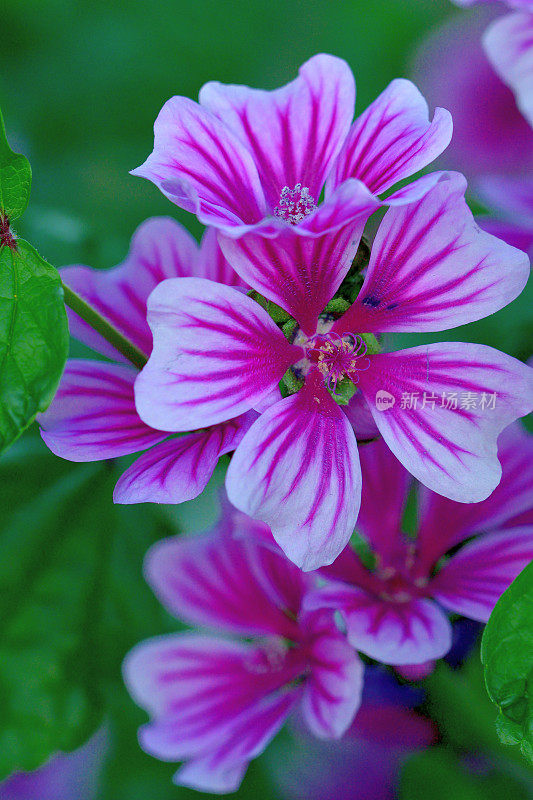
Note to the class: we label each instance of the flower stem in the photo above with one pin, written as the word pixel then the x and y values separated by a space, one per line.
pixel 101 325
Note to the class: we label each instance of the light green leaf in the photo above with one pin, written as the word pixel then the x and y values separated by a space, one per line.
pixel 72 599
pixel 33 337
pixel 507 655
pixel 15 179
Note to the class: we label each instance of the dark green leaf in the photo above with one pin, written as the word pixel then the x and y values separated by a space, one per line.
pixel 72 599
pixel 33 337
pixel 507 655
pixel 15 179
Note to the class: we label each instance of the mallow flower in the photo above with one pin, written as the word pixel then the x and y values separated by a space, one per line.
pixel 93 414
pixel 509 199
pixel 508 43
pixel 217 698
pixel 66 776
pixel 366 763
pixel 440 408
pixel 489 132
pixel 253 160
pixel 393 589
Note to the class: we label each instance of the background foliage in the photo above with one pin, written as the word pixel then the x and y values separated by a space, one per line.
pixel 81 85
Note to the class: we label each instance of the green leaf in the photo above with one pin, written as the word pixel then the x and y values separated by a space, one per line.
pixel 15 179
pixel 507 655
pixel 33 337
pixel 72 599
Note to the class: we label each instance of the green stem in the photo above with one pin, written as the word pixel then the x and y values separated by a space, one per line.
pixel 101 325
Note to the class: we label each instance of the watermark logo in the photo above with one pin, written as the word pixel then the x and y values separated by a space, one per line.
pixel 384 400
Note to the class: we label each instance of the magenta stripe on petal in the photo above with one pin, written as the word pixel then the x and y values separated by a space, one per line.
pixel 216 354
pixel 441 408
pixel 93 414
pixel 297 469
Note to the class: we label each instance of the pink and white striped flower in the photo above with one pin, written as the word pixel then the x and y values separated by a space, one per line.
pixel 217 353
pixel 93 414
pixel 215 700
pixel 247 159
pixel 393 610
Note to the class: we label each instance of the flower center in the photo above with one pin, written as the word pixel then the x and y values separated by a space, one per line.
pixel 336 356
pixel 294 204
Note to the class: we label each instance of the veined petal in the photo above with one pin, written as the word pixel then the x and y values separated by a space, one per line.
pixel 473 580
pixel 508 43
pixel 210 699
pixel 297 469
pixel 180 468
pixel 360 418
pixel 202 166
pixel 211 263
pixel 433 268
pixel 294 133
pixel 216 354
pixel 392 139
pixel 394 633
pixel 510 503
pixel 333 689
pixel 386 484
pixel 446 406
pixel 300 274
pixel 160 248
pixel 93 416
pixel 228 584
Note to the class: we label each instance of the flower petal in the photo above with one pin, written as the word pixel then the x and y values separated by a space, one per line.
pixel 394 633
pixel 473 580
pixel 392 139
pixel 510 503
pixel 93 416
pixel 386 484
pixel 211 263
pixel 226 583
pixel 450 450
pixel 432 268
pixel 216 354
pixel 203 167
pixel 180 468
pixel 300 274
pixel 297 469
pixel 209 701
pixel 160 248
pixel 508 43
pixel 295 132
pixel 360 418
pixel 332 692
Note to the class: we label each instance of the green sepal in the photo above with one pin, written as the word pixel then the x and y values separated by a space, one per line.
pixel 278 314
pixel 344 391
pixel 290 384
pixel 362 549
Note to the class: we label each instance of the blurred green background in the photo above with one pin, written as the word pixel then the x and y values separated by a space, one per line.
pixel 80 87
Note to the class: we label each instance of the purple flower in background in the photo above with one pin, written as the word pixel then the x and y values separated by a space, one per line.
pixel 366 763
pixel 217 699
pixel 489 132
pixel 247 159
pixel 440 408
pixel 67 776
pixel 93 414
pixel 393 610
pixel 508 43
pixel 510 200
